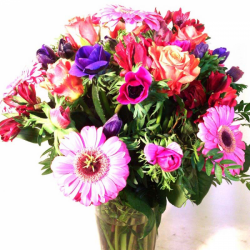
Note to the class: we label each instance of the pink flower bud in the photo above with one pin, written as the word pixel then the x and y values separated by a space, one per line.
pixel 59 117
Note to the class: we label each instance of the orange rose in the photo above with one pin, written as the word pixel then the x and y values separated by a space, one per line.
pixel 171 63
pixel 190 33
pixel 60 82
pixel 81 29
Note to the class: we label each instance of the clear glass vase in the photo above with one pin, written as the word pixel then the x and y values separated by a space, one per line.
pixel 121 228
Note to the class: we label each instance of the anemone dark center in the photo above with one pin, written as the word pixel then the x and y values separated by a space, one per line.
pixel 135 91
pixel 91 165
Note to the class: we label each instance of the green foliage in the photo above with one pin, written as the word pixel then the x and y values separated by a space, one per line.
pixel 51 152
pixel 32 135
pixel 243 111
pixel 239 87
pixel 209 63
pixel 247 158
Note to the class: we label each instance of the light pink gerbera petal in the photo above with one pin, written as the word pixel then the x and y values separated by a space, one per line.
pixel 94 169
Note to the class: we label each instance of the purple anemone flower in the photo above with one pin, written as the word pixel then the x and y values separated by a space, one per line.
pixel 200 50
pixel 90 61
pixel 46 56
pixel 221 52
pixel 112 127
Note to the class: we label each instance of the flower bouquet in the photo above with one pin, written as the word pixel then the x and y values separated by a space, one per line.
pixel 140 111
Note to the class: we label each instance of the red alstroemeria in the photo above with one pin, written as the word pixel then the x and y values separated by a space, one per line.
pixel 218 82
pixel 134 53
pixel 9 129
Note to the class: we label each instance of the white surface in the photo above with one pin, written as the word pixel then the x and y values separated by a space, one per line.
pixel 33 212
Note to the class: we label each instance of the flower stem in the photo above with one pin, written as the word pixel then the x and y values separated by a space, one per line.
pixel 124 242
pixel 86 108
pixel 106 235
pixel 106 103
pixel 132 236
pixel 116 237
pixel 118 108
pixel 145 243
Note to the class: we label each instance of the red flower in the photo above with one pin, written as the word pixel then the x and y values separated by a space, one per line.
pixel 222 93
pixel 134 53
pixel 9 129
pixel 194 95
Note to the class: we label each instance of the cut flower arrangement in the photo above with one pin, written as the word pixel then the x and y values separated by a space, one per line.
pixel 141 111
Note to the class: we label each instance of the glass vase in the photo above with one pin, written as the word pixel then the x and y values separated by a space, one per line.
pixel 121 228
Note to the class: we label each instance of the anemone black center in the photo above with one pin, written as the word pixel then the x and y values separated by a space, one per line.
pixel 135 91
pixel 226 138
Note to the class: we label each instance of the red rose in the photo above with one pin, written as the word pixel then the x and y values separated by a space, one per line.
pixel 194 95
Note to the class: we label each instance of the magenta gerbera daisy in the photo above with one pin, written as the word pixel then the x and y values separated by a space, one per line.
pixel 218 130
pixel 93 170
pixel 112 14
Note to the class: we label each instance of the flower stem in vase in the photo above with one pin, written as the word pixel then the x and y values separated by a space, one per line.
pixel 132 236
pixel 106 235
pixel 116 237
pixel 124 242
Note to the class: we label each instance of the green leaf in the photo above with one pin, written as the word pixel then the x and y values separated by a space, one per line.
pixel 209 166
pixel 203 185
pixel 162 201
pixel 234 167
pixel 218 173
pixel 230 176
pixel 223 162
pixel 29 134
pixel 247 107
pixel 248 185
pixel 48 171
pixel 200 163
pixel 176 196
pixel 97 103
pixel 140 205
pixel 212 152
pixel 247 158
pixel 218 156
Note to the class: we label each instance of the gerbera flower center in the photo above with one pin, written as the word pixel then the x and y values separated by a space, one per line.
pixel 91 165
pixel 226 139
pixel 135 91
pixel 123 10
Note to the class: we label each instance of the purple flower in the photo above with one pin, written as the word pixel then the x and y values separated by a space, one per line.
pixel 65 49
pixel 185 45
pixel 112 42
pixel 46 56
pixel 221 52
pixel 236 73
pixel 200 50
pixel 112 127
pixel 89 61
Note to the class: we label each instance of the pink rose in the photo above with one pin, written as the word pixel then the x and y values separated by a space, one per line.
pixel 79 29
pixel 169 158
pixel 60 82
pixel 59 117
pixel 136 87
pixel 171 62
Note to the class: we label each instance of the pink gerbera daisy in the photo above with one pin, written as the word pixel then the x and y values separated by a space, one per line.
pixel 93 170
pixel 219 131
pixel 112 14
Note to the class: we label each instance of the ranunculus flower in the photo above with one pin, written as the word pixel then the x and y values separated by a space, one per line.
pixel 190 33
pixel 112 127
pixel 236 73
pixel 65 50
pixel 221 52
pixel 171 62
pixel 46 56
pixel 136 87
pixel 200 50
pixel 89 61
pixel 60 82
pixel 9 129
pixel 132 54
pixel 185 45
pixel 169 158
pixel 80 29
pixel 60 117
pixel 194 95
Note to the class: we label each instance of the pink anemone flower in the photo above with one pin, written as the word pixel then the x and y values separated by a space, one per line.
pixel 219 131
pixel 93 170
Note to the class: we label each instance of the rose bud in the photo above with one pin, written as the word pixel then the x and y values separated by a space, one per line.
pixel 65 50
pixel 136 87
pixel 46 56
pixel 221 52
pixel 9 129
pixel 89 61
pixel 112 42
pixel 236 73
pixel 200 50
pixel 60 118
pixel 113 126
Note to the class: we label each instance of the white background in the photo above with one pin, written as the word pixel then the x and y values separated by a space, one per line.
pixel 34 214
